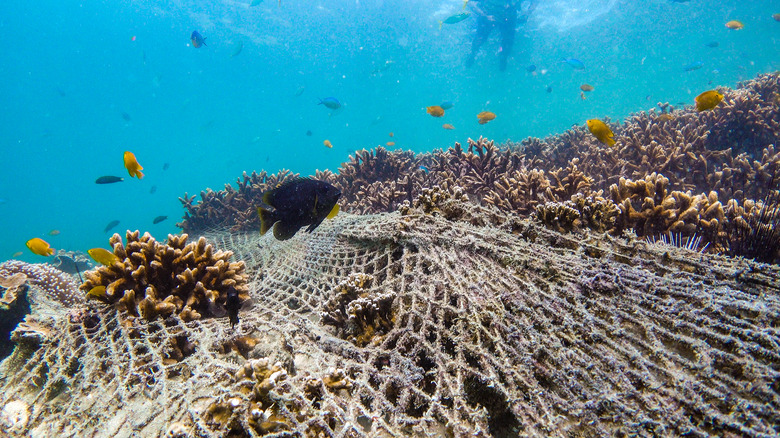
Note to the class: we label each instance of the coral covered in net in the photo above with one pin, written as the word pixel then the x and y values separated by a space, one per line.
pixel 152 279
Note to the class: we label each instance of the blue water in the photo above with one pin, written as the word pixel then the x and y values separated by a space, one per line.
pixel 85 81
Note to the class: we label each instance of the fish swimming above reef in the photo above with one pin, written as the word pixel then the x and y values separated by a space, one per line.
pixel 297 203
pixel 232 305
pixel 708 100
pixel 197 39
pixel 457 18
pixel 693 66
pixel 447 126
pixel 586 87
pixel 103 256
pixel 447 104
pixel 601 131
pixel 40 247
pixel 574 63
pixel 108 179
pixel 712 44
pixel 435 110
pixel 735 25
pixel 330 103
pixel 132 166
pixel 485 116
pixel 327 143
pixel 159 219
pixel 110 226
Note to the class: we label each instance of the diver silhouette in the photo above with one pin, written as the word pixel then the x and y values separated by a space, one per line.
pixel 506 15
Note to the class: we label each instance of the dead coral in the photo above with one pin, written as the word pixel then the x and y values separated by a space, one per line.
pixel 12 283
pixel 358 314
pixel 263 382
pixel 156 279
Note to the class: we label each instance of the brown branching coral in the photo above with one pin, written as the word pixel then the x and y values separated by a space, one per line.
pixel 154 279
pixel 358 314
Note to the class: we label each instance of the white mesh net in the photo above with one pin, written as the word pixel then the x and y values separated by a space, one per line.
pixel 395 325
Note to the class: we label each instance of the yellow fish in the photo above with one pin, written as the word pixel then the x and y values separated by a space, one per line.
pixel 485 116
pixel 708 100
pixel 40 247
pixel 665 117
pixel 327 143
pixel 97 291
pixel 435 110
pixel 132 166
pixel 54 232
pixel 103 256
pixel 735 25
pixel 601 131
pixel 17 254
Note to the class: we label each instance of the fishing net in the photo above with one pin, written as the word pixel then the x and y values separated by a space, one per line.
pixel 459 323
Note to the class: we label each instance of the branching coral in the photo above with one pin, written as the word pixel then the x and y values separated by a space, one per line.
pixel 151 278
pixel 358 314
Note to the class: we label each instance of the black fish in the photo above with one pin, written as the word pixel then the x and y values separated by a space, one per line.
pixel 712 44
pixel 126 117
pixel 153 189
pixel 166 166
pixel 110 225
pixel 308 133
pixel 296 203
pixel 232 304
pixel 159 219
pixel 108 179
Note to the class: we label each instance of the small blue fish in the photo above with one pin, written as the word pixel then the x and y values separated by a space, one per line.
pixel 457 18
pixel 694 66
pixel 447 104
pixel 574 63
pixel 197 39
pixel 331 103
pixel 712 44
pixel 531 68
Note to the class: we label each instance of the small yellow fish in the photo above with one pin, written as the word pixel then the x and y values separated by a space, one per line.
pixel 103 256
pixel 665 117
pixel 447 126
pixel 327 143
pixel 708 100
pixel 601 131
pixel 390 143
pixel 735 25
pixel 485 116
pixel 586 87
pixel 435 110
pixel 17 254
pixel 40 247
pixel 132 166
pixel 54 232
pixel 391 134
pixel 97 291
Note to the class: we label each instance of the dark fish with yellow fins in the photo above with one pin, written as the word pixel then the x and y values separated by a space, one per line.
pixel 40 247
pixel 132 166
pixel 601 131
pixel 708 100
pixel 295 204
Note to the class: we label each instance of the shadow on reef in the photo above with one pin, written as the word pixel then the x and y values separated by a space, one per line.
pixel 695 174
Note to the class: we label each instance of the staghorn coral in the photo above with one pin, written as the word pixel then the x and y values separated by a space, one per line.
pixel 232 208
pixel 358 314
pixel 155 279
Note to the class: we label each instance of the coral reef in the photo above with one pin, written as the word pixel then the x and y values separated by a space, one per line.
pixel 155 279
pixel 58 285
pixel 360 316
pixel 707 159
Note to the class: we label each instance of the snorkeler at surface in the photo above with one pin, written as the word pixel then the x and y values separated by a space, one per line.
pixel 503 14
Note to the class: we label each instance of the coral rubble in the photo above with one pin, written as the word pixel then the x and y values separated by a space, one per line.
pixel 153 278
